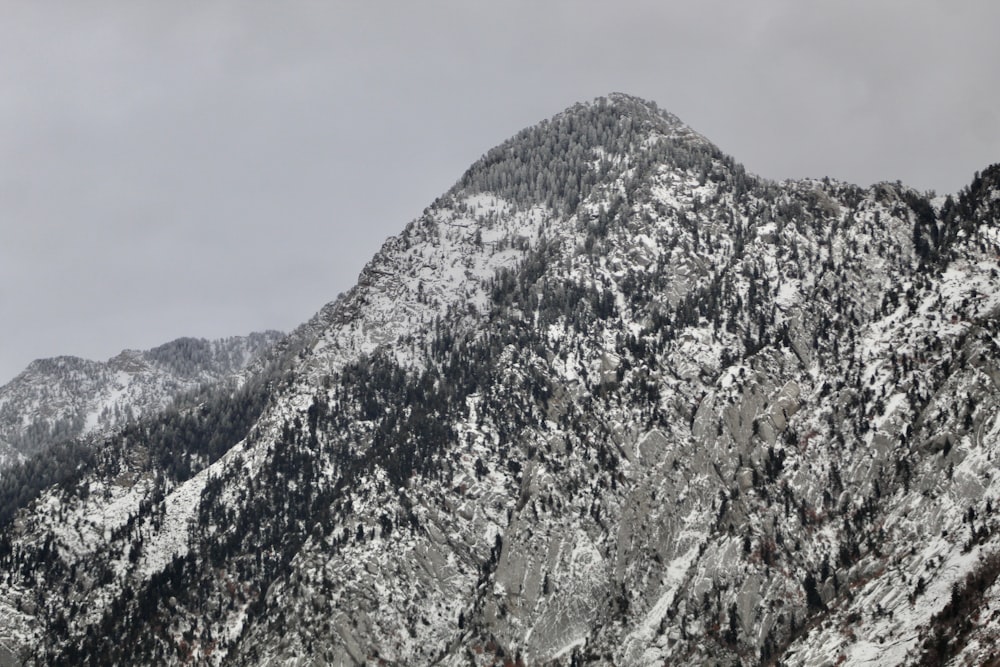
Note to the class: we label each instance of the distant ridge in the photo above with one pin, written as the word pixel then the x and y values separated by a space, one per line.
pixel 66 397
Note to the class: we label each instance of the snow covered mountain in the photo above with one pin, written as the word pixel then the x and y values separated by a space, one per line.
pixel 60 399
pixel 611 400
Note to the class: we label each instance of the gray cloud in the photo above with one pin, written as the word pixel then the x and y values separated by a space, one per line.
pixel 211 168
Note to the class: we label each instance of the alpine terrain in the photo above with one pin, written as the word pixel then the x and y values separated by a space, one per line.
pixel 610 399
pixel 63 399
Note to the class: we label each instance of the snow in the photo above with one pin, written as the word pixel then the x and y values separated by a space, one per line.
pixel 172 539
pixel 444 259
pixel 788 294
pixel 581 640
pixel 673 577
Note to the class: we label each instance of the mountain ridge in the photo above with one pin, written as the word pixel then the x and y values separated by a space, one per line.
pixel 67 397
pixel 610 399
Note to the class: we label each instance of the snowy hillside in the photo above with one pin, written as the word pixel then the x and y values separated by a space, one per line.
pixel 63 398
pixel 609 400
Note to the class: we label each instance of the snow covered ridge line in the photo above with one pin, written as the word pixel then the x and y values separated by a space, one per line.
pixel 610 400
pixel 64 398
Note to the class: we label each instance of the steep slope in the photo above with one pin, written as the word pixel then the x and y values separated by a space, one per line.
pixel 610 399
pixel 64 398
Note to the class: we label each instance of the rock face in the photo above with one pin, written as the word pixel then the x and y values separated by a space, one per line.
pixel 610 399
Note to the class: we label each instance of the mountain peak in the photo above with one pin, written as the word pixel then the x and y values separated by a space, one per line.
pixel 616 106
pixel 637 106
pixel 557 161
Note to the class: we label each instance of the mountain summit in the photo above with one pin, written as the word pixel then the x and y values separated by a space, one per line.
pixel 558 161
pixel 609 400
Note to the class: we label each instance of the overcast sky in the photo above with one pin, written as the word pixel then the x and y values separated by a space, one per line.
pixel 213 168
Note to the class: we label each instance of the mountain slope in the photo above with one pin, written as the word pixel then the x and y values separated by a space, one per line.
pixel 610 399
pixel 67 397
